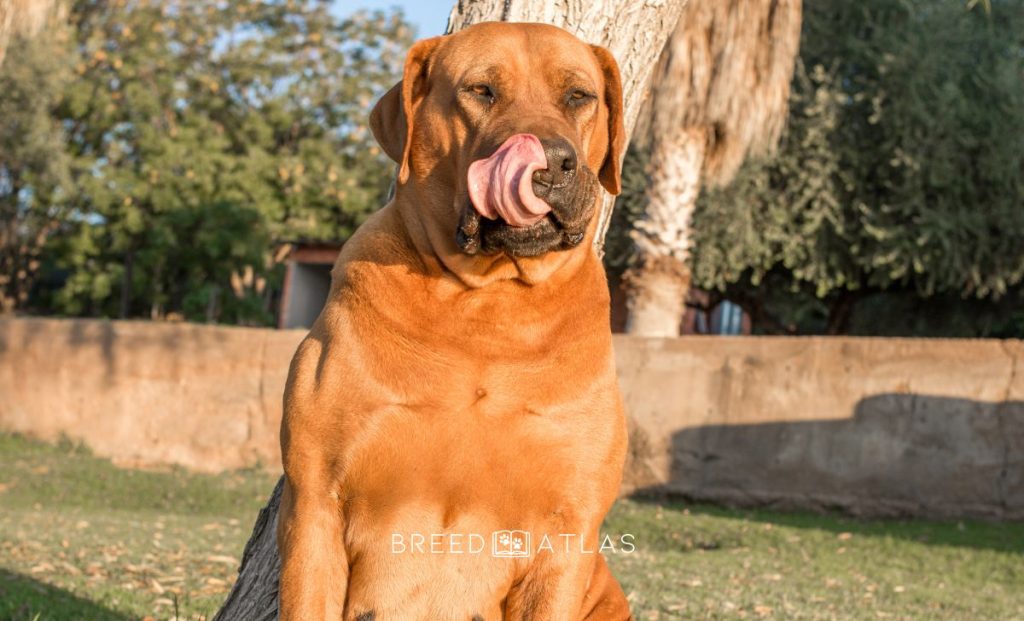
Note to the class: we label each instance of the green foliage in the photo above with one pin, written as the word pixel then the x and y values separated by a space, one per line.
pixel 619 251
pixel 34 168
pixel 200 133
pixel 902 168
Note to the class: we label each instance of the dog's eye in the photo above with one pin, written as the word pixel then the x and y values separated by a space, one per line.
pixel 578 97
pixel 482 92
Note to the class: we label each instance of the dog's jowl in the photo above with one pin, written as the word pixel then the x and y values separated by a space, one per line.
pixel 453 431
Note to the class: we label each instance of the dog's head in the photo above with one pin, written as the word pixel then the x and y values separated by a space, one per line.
pixel 505 134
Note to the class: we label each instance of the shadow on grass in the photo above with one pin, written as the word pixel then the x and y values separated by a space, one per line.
pixel 25 599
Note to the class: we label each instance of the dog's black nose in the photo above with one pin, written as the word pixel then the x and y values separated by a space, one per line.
pixel 562 164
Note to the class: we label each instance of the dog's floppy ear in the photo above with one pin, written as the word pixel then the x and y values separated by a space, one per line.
pixel 611 169
pixel 392 118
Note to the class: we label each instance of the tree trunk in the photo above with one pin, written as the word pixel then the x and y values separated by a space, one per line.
pixel 25 17
pixel 127 282
pixel 658 284
pixel 840 312
pixel 657 299
pixel 635 32
pixel 6 25
pixel 254 596
pixel 720 91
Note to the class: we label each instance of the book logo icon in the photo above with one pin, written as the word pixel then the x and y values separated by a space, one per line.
pixel 510 544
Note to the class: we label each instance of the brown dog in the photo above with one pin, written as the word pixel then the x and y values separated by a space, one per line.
pixel 459 381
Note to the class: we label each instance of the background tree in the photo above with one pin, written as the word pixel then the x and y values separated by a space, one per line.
pixel 636 36
pixel 34 168
pixel 202 132
pixel 901 178
pixel 720 92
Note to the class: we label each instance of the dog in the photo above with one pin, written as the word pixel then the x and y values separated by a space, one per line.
pixel 459 387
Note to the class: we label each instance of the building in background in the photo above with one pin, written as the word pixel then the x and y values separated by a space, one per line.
pixel 307 281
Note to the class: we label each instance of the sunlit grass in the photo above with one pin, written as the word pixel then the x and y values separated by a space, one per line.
pixel 83 539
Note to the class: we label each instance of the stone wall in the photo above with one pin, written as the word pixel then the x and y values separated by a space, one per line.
pixel 869 426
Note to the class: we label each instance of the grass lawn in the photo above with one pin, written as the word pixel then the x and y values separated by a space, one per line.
pixel 81 539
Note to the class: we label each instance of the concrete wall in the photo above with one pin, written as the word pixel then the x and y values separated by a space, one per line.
pixel 870 426
pixel 204 397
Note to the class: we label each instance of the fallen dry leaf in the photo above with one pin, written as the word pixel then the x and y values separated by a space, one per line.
pixel 41 568
pixel 71 569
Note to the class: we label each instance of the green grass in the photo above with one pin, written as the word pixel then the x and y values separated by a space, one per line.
pixel 81 539
pixel 130 543
pixel 698 562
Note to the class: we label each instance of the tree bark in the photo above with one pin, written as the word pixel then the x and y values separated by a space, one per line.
pixel 6 25
pixel 659 283
pixel 720 91
pixel 24 17
pixel 840 312
pixel 657 302
pixel 635 32
pixel 254 596
pixel 127 282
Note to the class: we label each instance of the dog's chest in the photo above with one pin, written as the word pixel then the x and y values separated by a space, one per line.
pixel 490 448
pixel 477 446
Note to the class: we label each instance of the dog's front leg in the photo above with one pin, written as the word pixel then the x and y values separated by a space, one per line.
pixel 605 600
pixel 553 588
pixel 314 569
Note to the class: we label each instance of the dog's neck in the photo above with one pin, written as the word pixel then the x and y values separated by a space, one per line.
pixel 390 280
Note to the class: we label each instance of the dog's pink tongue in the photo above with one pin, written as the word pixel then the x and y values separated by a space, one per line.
pixel 501 186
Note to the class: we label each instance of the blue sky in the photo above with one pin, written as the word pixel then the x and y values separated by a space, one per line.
pixel 429 16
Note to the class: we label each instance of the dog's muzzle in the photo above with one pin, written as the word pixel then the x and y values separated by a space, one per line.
pixel 529 197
